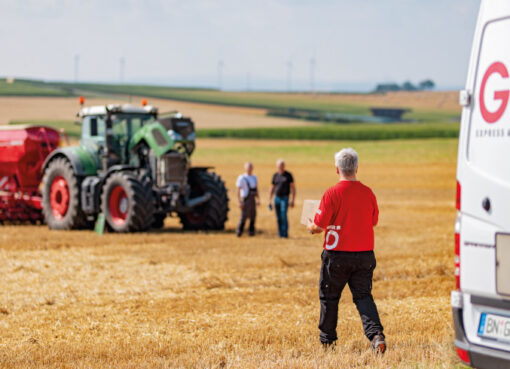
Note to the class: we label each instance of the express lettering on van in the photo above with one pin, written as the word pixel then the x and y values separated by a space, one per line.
pixel 494 116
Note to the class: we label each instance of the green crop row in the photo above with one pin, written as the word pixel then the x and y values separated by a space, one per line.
pixel 359 132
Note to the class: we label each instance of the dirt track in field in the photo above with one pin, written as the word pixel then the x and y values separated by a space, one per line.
pixel 204 115
pixel 196 300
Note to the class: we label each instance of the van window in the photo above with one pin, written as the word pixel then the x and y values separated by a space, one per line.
pixel 489 131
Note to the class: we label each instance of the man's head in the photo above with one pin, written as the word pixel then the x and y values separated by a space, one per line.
pixel 346 162
pixel 280 165
pixel 248 167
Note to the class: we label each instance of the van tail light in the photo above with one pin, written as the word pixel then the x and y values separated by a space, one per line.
pixel 463 355
pixel 457 198
pixel 457 261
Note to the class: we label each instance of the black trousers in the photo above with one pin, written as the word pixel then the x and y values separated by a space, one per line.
pixel 355 269
pixel 248 211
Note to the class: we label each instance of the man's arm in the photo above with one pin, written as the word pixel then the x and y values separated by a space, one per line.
pixel 292 194
pixel 313 228
pixel 375 216
pixel 323 215
pixel 271 194
pixel 239 199
pixel 257 197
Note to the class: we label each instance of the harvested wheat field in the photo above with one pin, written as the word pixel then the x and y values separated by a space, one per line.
pixel 205 115
pixel 170 299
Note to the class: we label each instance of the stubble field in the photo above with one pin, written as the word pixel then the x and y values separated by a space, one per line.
pixel 170 299
pixel 205 115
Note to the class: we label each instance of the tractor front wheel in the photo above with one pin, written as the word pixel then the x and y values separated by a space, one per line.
pixel 213 214
pixel 61 197
pixel 128 204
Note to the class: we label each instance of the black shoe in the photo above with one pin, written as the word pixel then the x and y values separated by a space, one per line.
pixel 378 344
pixel 328 345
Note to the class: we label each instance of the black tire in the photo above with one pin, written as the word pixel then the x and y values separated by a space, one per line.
pixel 59 213
pixel 159 221
pixel 213 214
pixel 127 203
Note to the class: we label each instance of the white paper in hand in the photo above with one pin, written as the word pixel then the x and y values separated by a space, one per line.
pixel 309 209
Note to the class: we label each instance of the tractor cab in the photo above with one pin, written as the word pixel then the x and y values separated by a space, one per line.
pixel 126 124
pixel 125 120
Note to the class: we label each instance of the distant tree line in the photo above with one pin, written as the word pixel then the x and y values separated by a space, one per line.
pixel 427 84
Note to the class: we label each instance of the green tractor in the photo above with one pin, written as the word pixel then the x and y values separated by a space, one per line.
pixel 133 166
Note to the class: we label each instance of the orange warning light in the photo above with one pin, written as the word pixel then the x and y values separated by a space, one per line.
pixel 81 99
pixel 144 102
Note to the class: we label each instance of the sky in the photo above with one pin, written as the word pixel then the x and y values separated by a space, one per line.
pixel 342 45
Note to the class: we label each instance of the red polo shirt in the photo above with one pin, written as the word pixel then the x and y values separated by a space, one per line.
pixel 348 213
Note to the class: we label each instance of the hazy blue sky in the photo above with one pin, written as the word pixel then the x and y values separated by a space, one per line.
pixel 355 43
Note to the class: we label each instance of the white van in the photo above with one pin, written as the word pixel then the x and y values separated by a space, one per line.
pixel 481 303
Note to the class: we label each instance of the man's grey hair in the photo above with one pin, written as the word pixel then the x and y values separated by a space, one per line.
pixel 346 160
pixel 280 161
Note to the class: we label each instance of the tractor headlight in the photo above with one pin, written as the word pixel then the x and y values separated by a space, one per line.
pixel 174 135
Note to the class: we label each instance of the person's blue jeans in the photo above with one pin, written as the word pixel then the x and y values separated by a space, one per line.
pixel 281 205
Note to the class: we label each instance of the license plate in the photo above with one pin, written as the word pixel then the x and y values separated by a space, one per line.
pixel 494 326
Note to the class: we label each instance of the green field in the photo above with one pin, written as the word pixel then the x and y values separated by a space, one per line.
pixel 355 132
pixel 31 88
pixel 411 151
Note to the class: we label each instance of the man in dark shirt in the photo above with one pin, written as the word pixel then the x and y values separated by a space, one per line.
pixel 282 187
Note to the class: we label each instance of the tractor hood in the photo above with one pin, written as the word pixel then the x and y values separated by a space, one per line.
pixel 155 136
pixel 83 163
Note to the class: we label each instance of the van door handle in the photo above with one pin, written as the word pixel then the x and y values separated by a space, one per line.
pixel 486 204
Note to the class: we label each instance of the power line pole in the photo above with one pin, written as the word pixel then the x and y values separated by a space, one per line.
pixel 76 66
pixel 122 62
pixel 289 75
pixel 220 74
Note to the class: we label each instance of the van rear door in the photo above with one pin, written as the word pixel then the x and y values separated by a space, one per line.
pixel 484 176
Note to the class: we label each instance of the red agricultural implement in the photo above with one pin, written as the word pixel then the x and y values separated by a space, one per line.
pixel 23 150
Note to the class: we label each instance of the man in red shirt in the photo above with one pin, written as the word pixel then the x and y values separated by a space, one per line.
pixel 347 213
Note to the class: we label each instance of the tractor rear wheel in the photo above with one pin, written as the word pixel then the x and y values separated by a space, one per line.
pixel 127 204
pixel 61 197
pixel 214 213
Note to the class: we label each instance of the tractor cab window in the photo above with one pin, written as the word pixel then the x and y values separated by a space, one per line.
pixel 126 125
pixel 93 126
